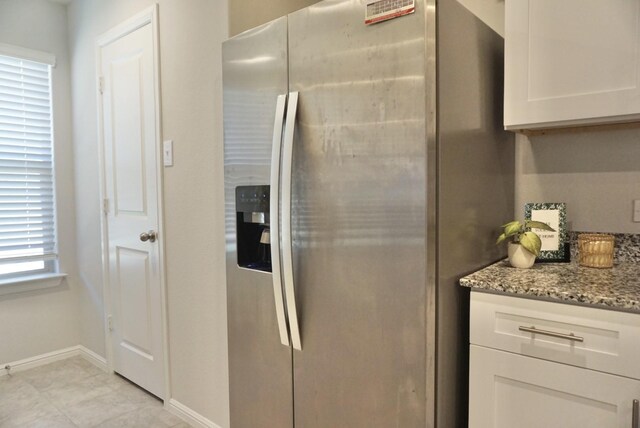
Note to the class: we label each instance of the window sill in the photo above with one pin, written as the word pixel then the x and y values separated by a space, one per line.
pixel 30 283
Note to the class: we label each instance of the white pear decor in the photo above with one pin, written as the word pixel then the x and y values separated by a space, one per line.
pixel 525 245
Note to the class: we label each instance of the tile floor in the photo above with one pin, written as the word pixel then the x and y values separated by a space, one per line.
pixel 74 393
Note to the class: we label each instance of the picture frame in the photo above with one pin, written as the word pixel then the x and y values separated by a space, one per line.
pixel 555 246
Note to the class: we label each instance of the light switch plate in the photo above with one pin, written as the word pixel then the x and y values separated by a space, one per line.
pixel 636 211
pixel 167 152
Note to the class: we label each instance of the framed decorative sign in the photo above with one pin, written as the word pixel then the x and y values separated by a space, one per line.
pixel 553 243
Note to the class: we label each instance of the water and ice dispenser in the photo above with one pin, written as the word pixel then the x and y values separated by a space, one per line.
pixel 252 227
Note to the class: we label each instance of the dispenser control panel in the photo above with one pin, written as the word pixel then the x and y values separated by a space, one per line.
pixel 252 199
pixel 252 228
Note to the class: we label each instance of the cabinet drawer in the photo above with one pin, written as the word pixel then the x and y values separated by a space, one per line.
pixel 610 340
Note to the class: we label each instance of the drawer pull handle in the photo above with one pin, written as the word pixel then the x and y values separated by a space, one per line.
pixel 635 418
pixel 569 336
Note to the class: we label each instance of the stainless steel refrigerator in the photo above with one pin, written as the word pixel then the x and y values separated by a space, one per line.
pixel 366 170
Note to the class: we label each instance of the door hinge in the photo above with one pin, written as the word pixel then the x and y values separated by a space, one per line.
pixel 101 84
pixel 110 322
pixel 105 206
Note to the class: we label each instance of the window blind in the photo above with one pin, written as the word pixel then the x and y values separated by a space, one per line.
pixel 27 216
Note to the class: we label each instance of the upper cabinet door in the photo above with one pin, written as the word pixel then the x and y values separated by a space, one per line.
pixel 571 62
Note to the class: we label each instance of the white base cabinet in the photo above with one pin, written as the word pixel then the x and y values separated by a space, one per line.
pixel 536 364
pixel 571 63
pixel 509 390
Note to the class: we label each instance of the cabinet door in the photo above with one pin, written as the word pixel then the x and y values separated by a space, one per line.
pixel 571 62
pixel 508 390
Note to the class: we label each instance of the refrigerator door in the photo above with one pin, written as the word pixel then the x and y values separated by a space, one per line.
pixel 255 76
pixel 358 217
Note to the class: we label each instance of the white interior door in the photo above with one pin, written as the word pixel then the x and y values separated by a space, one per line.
pixel 131 188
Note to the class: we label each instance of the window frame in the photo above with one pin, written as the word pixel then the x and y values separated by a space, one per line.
pixel 49 275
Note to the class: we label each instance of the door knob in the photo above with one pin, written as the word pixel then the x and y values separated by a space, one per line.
pixel 148 236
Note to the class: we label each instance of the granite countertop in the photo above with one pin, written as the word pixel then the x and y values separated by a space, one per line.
pixel 616 288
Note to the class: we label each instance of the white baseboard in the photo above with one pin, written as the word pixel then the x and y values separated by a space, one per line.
pixel 38 360
pixel 51 357
pixel 188 415
pixel 97 360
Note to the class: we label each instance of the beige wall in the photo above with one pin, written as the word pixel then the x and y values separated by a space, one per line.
pixel 596 173
pixel 38 322
pixel 491 12
pixel 246 14
pixel 190 38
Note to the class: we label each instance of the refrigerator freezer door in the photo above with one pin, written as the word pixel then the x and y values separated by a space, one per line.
pixel 358 217
pixel 254 74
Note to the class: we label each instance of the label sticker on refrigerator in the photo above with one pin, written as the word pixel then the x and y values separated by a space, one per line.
pixel 382 10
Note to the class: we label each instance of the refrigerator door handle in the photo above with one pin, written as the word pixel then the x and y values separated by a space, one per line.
pixel 287 251
pixel 274 215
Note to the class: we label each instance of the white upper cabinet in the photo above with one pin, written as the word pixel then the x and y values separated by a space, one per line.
pixel 571 62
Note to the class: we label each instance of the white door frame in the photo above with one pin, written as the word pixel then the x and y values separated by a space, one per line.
pixel 147 16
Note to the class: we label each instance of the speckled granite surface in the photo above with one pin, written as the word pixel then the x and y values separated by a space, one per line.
pixel 626 248
pixel 616 288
